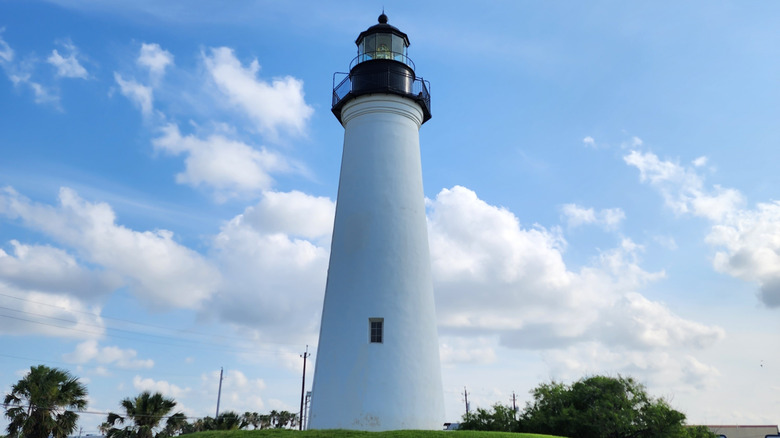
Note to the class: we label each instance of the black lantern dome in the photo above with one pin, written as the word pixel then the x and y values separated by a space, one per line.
pixel 381 66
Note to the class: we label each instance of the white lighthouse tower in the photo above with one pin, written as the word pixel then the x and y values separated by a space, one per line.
pixel 378 358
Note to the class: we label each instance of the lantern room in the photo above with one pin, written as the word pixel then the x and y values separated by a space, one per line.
pixel 382 41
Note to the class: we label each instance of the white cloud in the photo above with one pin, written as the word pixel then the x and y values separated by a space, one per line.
pixel 699 162
pixel 89 351
pixel 747 241
pixel 141 95
pixel 635 142
pixel 454 350
pixel 6 52
pixel 163 387
pixel 239 393
pixel 59 315
pixel 494 277
pixel 159 270
pixel 749 248
pixel 293 213
pixel 156 59
pixel 44 268
pixel 683 189
pixel 636 321
pixel 662 368
pixel 20 72
pixel 576 215
pixel 274 261
pixel 231 167
pixel 67 66
pixel 608 218
pixel 589 141
pixel 667 242
pixel 272 106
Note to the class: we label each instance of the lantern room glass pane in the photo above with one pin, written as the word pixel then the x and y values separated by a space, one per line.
pixel 369 45
pixel 384 46
pixel 399 49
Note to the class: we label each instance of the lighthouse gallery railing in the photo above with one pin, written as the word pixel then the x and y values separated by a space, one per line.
pixel 385 81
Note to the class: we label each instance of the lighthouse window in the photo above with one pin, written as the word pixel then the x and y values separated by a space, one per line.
pixel 384 46
pixel 376 326
pixel 399 50
pixel 368 47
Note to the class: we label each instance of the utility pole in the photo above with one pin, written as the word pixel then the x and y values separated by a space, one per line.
pixel 219 394
pixel 466 395
pixel 303 387
pixel 514 405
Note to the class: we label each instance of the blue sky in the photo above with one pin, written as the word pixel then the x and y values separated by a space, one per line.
pixel 600 177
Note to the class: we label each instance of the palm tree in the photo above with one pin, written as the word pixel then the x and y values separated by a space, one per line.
pixel 228 420
pixel 250 419
pixel 176 425
pixel 146 412
pixel 43 404
pixel 284 418
pixel 265 421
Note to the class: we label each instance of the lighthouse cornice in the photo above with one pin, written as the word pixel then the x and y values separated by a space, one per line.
pixel 382 103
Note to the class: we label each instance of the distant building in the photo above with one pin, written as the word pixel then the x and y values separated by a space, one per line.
pixel 736 431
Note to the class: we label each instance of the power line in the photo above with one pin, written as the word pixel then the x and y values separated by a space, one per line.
pixel 188 342
pixel 113 368
pixel 142 324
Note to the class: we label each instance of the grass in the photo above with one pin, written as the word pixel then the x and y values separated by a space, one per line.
pixel 285 433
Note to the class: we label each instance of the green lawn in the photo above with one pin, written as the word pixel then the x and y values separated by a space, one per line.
pixel 283 433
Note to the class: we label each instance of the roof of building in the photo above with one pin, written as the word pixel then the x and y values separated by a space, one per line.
pixel 743 431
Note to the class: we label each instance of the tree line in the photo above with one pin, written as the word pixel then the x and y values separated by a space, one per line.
pixel 593 407
pixel 45 403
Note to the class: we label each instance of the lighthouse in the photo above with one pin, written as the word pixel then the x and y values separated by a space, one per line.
pixel 377 364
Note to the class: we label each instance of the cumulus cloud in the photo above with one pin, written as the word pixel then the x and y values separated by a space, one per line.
pixel 608 218
pixel 239 392
pixel 67 66
pixel 589 141
pixel 231 167
pixel 455 350
pixel 48 269
pixel 163 387
pixel 90 351
pixel 52 314
pixel 274 261
pixel 141 95
pixel 153 58
pixel 661 367
pixel 156 59
pixel 278 104
pixel 634 321
pixel 749 248
pixel 746 241
pixel 683 189
pixel 494 277
pixel 161 271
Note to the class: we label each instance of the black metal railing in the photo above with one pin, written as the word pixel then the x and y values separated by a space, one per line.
pixel 391 80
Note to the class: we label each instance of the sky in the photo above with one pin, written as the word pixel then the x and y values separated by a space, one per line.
pixel 600 177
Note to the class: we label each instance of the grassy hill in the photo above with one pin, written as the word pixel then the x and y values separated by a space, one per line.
pixel 283 433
